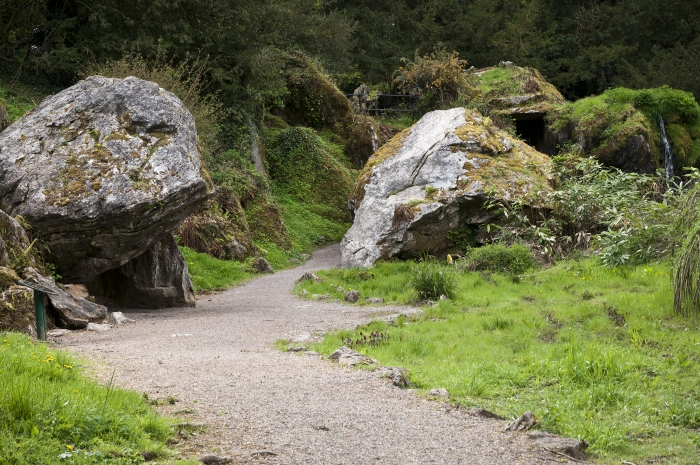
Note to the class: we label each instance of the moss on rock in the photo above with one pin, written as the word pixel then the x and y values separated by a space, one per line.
pixel 606 127
pixel 512 90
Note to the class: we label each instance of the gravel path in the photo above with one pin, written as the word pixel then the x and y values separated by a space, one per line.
pixel 267 406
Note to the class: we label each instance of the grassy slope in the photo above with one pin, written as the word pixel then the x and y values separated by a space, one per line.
pixel 51 413
pixel 592 352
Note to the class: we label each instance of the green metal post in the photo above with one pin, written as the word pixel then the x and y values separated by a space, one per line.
pixel 40 315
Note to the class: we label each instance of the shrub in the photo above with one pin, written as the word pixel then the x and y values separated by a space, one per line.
pixel 438 79
pixel 498 258
pixel 432 280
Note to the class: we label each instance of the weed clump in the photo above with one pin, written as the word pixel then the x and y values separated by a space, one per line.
pixel 432 281
pixel 497 258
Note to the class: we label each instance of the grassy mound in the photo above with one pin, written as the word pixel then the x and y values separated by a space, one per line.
pixel 604 123
pixel 593 352
pixel 50 413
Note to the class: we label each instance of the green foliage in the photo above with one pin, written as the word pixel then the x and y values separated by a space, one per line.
pixel 309 168
pixel 498 258
pixel 578 344
pixel 437 79
pixel 582 48
pixel 433 280
pixel 306 224
pixel 463 238
pixel 210 274
pixel 625 215
pixel 686 273
pixel 50 412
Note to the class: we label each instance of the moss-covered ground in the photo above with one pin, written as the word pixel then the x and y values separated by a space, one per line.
pixel 51 412
pixel 595 353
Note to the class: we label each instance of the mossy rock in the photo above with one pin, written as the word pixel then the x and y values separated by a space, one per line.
pixel 515 90
pixel 17 310
pixel 435 178
pixel 621 128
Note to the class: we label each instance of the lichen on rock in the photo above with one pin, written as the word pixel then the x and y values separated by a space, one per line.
pixel 437 175
pixel 102 170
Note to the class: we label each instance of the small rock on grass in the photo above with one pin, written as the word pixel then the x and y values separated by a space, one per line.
pixel 352 296
pixel 308 276
pixel 574 448
pixel 297 349
pixel 215 459
pixel 375 300
pixel 482 412
pixel 262 266
pixel 320 296
pixel 441 392
pixel 346 356
pixel 523 423
pixel 397 375
pixel 98 327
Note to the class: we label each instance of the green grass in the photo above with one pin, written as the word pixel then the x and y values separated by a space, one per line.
pixel 51 413
pixel 306 225
pixel 20 99
pixel 497 78
pixel 593 352
pixel 210 274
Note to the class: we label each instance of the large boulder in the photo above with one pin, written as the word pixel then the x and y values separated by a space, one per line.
pixel 158 278
pixel 433 178
pixel 103 170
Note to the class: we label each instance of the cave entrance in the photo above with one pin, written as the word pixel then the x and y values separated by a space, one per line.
pixel 533 131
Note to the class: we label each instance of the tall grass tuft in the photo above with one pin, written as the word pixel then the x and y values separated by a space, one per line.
pixel 432 280
pixel 686 277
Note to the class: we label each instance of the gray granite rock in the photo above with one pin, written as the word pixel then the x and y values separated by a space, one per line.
pixel 102 170
pixel 352 296
pixel 434 178
pixel 71 312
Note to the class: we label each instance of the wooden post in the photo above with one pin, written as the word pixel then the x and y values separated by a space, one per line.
pixel 40 315
pixel 40 293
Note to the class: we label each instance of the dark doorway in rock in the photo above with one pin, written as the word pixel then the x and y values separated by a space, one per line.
pixel 532 130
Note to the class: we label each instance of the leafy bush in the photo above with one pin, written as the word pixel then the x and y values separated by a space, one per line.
pixel 498 258
pixel 432 280
pixel 438 79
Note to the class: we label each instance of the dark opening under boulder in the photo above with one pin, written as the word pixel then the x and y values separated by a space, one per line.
pixel 158 278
